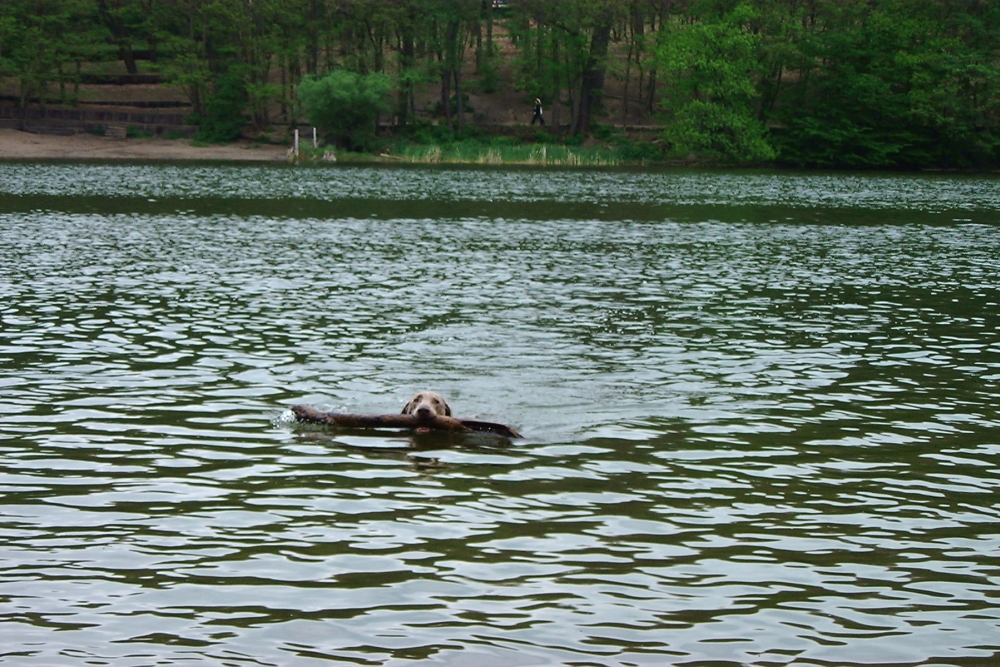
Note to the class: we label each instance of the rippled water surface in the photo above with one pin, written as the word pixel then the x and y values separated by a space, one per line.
pixel 760 413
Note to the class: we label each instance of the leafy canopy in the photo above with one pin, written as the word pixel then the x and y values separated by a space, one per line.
pixel 346 105
pixel 711 67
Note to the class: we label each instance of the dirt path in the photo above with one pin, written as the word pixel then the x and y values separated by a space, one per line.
pixel 15 145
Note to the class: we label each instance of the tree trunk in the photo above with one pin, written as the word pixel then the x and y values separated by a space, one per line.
pixel 23 100
pixel 125 52
pixel 592 85
pixel 312 36
pixel 555 119
pixel 294 74
pixel 309 415
pixel 406 61
pixel 479 37
pixel 634 51
pixel 651 91
pixel 284 67
pixel 450 71
pixel 446 94
pixel 459 106
pixel 118 36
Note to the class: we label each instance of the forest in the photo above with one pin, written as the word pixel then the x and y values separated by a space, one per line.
pixel 812 83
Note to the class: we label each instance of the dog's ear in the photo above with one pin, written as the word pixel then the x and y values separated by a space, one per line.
pixel 447 409
pixel 407 408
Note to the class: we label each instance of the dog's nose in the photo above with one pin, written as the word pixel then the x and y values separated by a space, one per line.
pixel 424 411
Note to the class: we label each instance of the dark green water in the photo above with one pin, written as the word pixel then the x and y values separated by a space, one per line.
pixel 760 409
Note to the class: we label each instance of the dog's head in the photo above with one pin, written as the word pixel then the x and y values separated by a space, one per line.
pixel 427 404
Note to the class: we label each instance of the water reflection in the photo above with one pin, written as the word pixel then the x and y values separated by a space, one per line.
pixel 748 443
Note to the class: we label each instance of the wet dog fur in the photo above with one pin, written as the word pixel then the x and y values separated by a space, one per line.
pixel 427 404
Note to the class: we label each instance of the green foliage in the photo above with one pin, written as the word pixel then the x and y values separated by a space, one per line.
pixel 711 65
pixel 39 39
pixel 184 66
pixel 346 105
pixel 223 120
pixel 543 137
pixel 563 46
pixel 894 84
pixel 488 80
pixel 849 114
pixel 819 83
pixel 424 132
pixel 642 151
pixel 602 132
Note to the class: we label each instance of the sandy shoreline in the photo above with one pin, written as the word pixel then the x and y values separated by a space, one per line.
pixel 16 145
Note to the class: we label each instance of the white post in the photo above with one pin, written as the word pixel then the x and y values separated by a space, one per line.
pixel 295 147
pixel 315 145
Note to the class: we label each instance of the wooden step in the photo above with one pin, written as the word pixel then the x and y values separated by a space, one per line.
pixel 116 132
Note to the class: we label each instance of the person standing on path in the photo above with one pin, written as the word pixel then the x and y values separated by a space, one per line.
pixel 538 113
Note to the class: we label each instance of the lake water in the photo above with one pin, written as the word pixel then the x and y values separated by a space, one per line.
pixel 760 412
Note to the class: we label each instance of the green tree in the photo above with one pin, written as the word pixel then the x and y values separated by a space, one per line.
pixel 894 83
pixel 564 45
pixel 846 111
pixel 223 120
pixel 127 24
pixel 711 67
pixel 346 105
pixel 40 39
pixel 223 53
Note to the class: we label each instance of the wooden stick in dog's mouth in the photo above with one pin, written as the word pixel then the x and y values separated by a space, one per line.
pixel 308 414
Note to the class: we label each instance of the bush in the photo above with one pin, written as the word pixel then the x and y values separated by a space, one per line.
pixel 134 132
pixel 543 137
pixel 346 105
pixel 601 132
pixel 424 132
pixel 643 151
pixel 714 130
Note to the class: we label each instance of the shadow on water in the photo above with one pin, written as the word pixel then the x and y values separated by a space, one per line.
pixel 360 208
pixel 399 192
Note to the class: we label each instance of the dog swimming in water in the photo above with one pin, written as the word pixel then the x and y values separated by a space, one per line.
pixel 427 404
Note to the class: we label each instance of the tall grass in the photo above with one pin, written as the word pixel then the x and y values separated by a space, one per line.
pixel 531 154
